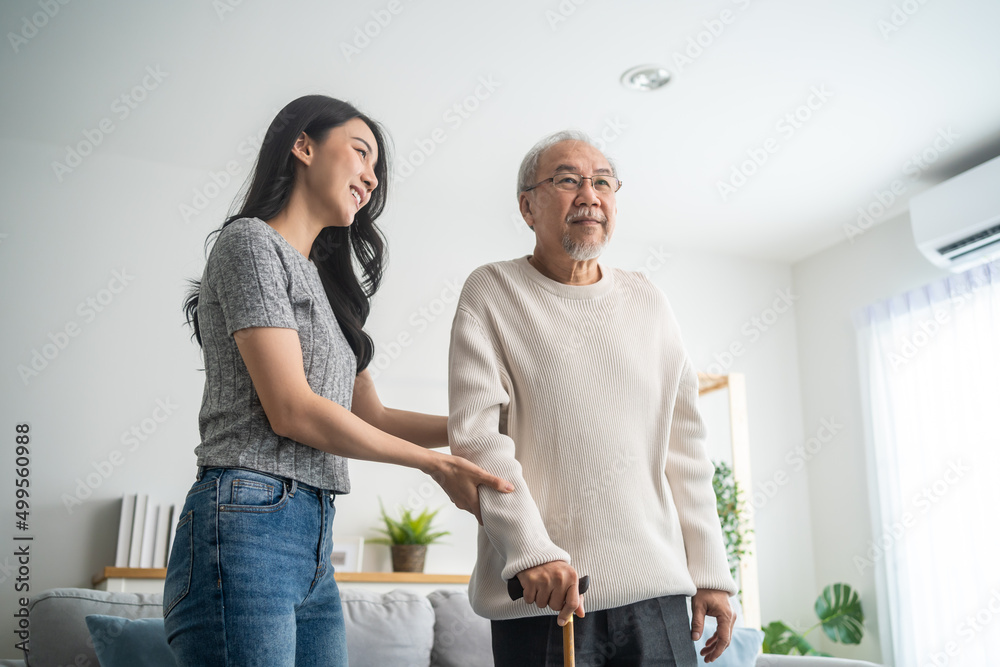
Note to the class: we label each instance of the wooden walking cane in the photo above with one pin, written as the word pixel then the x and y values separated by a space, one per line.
pixel 516 591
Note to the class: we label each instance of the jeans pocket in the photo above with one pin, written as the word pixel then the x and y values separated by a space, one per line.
pixel 178 580
pixel 252 492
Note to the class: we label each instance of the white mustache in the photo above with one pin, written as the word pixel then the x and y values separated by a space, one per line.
pixel 585 213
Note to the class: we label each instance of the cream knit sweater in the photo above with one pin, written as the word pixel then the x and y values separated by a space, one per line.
pixel 585 399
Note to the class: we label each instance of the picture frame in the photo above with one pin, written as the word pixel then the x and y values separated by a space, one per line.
pixel 348 554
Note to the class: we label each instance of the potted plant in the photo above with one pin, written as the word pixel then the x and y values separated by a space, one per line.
pixel 731 506
pixel 408 537
pixel 839 610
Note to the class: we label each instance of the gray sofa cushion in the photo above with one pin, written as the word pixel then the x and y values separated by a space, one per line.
pixel 808 661
pixel 59 634
pixel 461 638
pixel 395 628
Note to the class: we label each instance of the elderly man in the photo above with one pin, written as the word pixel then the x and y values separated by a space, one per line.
pixel 570 379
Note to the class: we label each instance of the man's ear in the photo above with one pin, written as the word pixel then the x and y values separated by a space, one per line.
pixel 524 203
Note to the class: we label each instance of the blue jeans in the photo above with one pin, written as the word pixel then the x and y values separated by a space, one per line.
pixel 249 579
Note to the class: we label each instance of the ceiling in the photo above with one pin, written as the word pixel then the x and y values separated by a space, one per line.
pixel 821 104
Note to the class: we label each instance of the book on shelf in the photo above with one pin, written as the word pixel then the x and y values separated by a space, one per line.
pixel 125 529
pixel 138 525
pixel 145 532
pixel 148 535
pixel 171 532
pixel 164 522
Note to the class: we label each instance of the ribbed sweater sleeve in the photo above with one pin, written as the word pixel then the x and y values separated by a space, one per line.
pixel 478 388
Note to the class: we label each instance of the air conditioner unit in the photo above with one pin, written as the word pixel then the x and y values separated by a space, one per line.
pixel 956 224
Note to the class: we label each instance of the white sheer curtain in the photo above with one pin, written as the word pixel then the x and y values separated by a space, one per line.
pixel 930 388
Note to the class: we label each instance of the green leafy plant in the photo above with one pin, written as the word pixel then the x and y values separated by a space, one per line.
pixel 409 529
pixel 840 616
pixel 731 505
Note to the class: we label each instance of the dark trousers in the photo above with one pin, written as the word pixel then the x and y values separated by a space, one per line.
pixel 649 633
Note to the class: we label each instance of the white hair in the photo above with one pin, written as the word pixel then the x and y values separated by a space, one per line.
pixel 528 173
pixel 581 252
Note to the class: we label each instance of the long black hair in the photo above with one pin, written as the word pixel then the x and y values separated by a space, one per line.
pixel 336 249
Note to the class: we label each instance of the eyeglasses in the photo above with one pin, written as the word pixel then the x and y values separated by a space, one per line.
pixel 571 182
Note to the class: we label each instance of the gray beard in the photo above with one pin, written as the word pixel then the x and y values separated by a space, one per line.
pixel 581 252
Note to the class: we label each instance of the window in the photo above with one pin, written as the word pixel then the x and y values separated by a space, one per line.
pixel 930 387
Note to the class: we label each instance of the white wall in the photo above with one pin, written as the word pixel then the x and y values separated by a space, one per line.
pixel 831 284
pixel 64 240
pixel 721 301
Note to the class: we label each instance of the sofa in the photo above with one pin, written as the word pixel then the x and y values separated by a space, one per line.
pixel 398 628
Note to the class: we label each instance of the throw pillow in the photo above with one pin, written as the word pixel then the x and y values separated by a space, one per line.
pixel 394 628
pixel 461 638
pixel 121 642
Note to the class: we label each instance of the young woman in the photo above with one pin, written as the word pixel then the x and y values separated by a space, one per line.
pixel 279 313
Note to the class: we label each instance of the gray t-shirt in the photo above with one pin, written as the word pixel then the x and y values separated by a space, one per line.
pixel 255 278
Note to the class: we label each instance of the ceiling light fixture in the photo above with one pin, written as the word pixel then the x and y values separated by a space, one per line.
pixel 645 77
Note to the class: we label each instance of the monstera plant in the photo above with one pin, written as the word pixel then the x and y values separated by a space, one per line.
pixel 840 616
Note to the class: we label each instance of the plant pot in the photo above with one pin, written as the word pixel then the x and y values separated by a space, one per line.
pixel 408 557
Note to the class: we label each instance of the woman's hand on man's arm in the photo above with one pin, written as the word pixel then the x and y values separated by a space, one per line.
pixel 273 357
